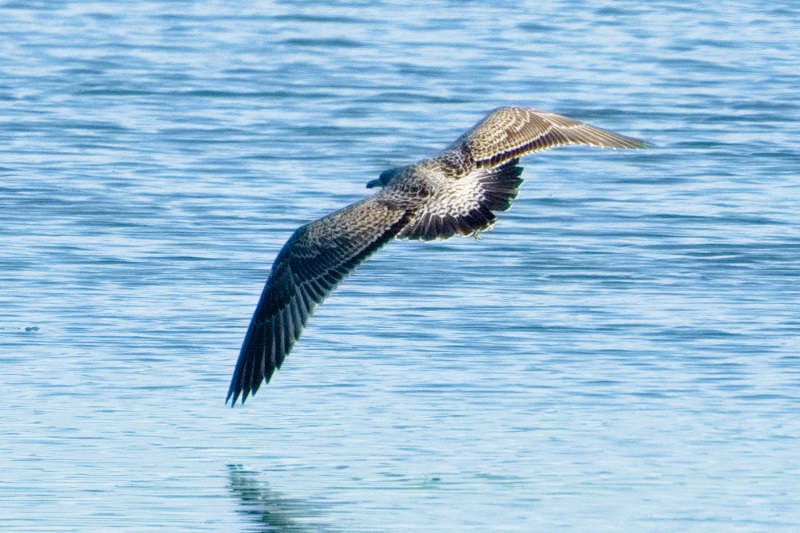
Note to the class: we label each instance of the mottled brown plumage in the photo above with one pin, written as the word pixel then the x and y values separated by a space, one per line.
pixel 455 192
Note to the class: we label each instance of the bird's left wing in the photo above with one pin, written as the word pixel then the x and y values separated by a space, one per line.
pixel 311 264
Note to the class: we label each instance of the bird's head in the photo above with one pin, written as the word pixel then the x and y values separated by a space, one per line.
pixel 385 177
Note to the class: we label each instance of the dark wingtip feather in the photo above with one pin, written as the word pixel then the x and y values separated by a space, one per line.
pixel 644 145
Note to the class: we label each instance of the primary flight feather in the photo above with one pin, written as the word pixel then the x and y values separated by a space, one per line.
pixel 454 192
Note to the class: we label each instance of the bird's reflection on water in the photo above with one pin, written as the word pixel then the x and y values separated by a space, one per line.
pixel 268 510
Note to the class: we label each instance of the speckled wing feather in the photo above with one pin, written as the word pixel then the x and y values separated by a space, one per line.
pixel 478 174
pixel 510 132
pixel 311 264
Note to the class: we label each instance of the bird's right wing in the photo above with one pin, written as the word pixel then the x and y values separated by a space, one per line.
pixel 480 173
pixel 511 132
pixel 311 264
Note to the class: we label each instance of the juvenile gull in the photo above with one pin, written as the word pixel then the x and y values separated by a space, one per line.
pixel 454 192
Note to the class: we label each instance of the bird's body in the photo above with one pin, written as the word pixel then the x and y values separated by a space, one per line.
pixel 454 192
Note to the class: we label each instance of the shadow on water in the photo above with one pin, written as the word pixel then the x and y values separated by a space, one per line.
pixel 268 510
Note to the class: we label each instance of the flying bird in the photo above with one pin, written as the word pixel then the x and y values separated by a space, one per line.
pixel 454 192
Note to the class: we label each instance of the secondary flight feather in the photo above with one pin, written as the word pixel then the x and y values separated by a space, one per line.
pixel 455 192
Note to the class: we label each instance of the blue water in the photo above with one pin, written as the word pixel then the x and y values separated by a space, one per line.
pixel 622 352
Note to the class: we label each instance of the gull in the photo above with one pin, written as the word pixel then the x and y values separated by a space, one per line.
pixel 455 192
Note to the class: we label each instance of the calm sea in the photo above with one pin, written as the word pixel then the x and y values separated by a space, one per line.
pixel 622 352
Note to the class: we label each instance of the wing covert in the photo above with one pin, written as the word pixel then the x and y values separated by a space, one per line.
pixel 466 205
